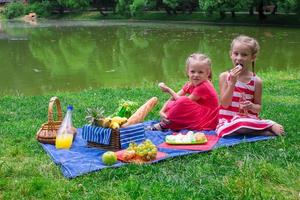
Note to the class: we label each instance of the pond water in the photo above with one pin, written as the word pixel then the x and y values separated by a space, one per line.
pixel 75 55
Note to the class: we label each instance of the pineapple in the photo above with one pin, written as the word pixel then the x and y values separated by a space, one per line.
pixel 95 116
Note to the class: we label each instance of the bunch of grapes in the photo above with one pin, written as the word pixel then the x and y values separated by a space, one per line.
pixel 147 150
pixel 132 146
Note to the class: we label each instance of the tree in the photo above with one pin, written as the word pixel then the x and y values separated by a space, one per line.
pixel 101 4
pixel 221 6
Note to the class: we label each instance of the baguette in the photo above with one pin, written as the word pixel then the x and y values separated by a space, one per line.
pixel 141 113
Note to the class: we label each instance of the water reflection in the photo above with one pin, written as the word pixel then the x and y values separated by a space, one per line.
pixel 59 56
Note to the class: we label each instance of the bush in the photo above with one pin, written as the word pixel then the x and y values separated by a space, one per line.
pixel 40 8
pixel 14 9
pixel 137 7
pixel 123 7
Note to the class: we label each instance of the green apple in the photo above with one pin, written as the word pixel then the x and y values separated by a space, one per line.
pixel 109 158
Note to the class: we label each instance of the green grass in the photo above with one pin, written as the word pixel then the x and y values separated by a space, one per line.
pixel 261 170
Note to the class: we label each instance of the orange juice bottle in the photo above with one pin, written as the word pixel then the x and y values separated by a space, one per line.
pixel 64 137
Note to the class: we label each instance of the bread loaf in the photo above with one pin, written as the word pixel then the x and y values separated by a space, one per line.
pixel 141 113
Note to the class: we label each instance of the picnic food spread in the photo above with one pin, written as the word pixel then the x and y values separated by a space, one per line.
pixel 95 116
pixel 189 138
pixel 145 151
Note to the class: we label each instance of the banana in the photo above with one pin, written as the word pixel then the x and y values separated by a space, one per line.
pixel 119 120
pixel 114 125
pixel 106 122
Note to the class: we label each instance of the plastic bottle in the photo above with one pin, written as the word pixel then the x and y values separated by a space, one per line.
pixel 243 98
pixel 64 137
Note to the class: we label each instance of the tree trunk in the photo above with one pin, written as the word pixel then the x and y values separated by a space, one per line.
pixel 222 14
pixel 61 10
pixel 233 14
pixel 251 11
pixel 261 14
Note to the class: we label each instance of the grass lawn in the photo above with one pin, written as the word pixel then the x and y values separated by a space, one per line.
pixel 261 170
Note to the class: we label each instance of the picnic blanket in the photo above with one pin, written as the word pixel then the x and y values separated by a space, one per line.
pixel 81 159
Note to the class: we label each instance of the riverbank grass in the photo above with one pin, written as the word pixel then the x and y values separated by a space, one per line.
pixel 261 170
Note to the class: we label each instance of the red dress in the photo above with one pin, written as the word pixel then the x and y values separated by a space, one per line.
pixel 184 113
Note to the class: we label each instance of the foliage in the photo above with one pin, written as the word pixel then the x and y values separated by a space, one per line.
pixel 42 9
pixel 123 7
pixel 171 3
pixel 297 8
pixel 137 7
pixel 288 5
pixel 221 6
pixel 14 9
pixel 73 3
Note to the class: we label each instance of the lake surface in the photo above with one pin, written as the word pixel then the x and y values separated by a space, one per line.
pixel 75 55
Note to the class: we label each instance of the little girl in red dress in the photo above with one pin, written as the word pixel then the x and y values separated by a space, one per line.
pixel 195 106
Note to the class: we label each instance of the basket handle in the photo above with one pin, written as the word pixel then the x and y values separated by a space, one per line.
pixel 50 109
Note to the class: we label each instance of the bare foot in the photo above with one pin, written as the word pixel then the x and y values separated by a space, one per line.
pixel 277 129
pixel 164 87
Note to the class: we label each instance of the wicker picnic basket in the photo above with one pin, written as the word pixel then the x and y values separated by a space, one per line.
pixel 114 144
pixel 47 133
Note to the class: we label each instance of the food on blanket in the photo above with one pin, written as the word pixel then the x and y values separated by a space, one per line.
pixel 114 125
pixel 126 108
pixel 142 112
pixel 109 158
pixel 189 137
pixel 128 155
pixel 106 122
pixel 119 120
pixel 95 116
pixel 132 146
pixel 145 151
pixel 200 137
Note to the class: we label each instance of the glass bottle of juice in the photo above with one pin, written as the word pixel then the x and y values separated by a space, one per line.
pixel 64 137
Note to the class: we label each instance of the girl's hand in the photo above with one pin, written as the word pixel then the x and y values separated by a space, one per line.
pixel 246 105
pixel 234 73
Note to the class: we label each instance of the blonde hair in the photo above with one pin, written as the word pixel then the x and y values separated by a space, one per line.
pixel 249 41
pixel 201 58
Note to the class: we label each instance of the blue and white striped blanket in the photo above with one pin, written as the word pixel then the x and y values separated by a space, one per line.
pixel 96 134
pixel 134 133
